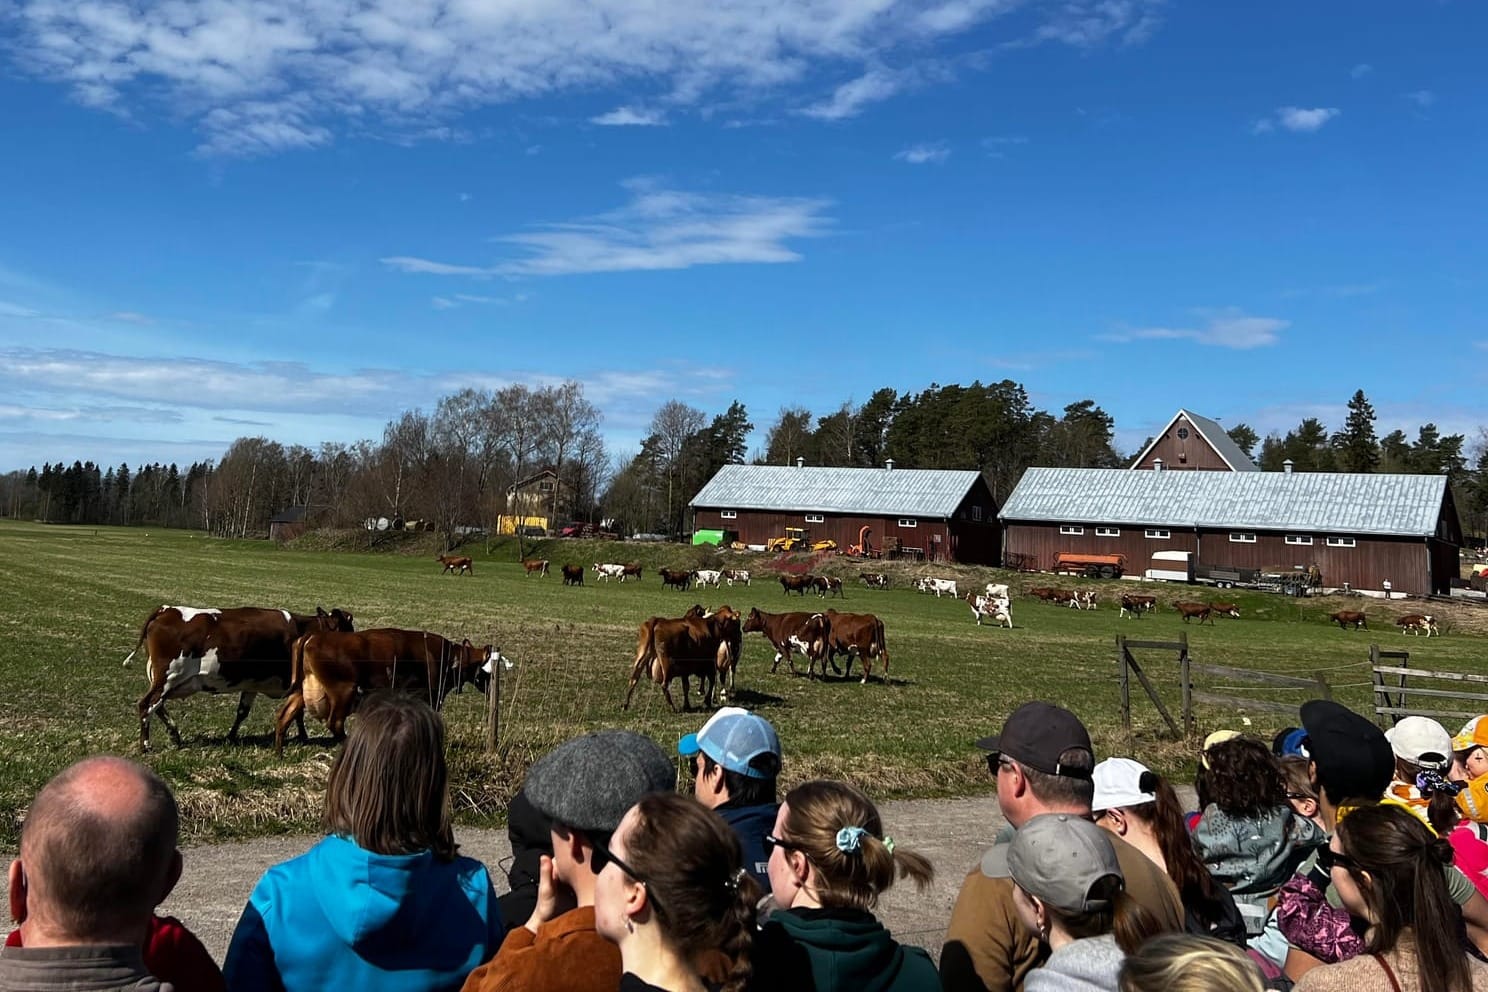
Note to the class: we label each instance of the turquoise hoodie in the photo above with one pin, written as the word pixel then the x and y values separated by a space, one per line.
pixel 341 919
pixel 837 950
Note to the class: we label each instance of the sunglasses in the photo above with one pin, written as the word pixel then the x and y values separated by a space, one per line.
pixel 996 762
pixel 603 856
pixel 772 842
pixel 1328 859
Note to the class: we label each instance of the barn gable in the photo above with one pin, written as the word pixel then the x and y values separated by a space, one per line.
pixel 1192 442
pixel 905 491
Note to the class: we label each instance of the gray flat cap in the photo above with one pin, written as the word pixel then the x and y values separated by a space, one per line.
pixel 589 782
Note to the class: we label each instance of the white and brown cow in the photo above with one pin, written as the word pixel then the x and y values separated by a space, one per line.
pixel 732 575
pixel 788 633
pixel 708 577
pixel 1418 623
pixel 999 609
pixel 246 650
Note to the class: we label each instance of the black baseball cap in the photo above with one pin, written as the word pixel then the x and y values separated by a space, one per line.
pixel 1353 758
pixel 1037 733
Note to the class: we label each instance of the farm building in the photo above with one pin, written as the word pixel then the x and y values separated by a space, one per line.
pixel 934 514
pixel 530 503
pixel 1193 443
pixel 288 524
pixel 1358 529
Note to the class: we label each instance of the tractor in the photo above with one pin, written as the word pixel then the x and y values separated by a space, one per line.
pixel 795 539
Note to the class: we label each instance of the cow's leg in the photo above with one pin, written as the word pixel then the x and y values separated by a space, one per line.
pixel 170 725
pixel 293 708
pixel 245 706
pixel 666 690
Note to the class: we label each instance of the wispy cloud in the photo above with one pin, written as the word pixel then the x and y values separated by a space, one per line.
pixel 1092 23
pixel 1301 120
pixel 922 154
pixel 1227 328
pixel 443 303
pixel 630 117
pixel 243 422
pixel 658 229
pixel 130 317
pixel 853 96
pixel 459 299
pixel 71 414
pixel 1361 70
pixel 1421 98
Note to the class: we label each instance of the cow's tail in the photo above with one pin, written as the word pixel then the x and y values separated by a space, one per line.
pixel 297 662
pixel 881 645
pixel 144 632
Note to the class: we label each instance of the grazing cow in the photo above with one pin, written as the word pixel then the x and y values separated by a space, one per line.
pixel 1418 623
pixel 629 569
pixel 708 577
pixel 459 564
pixel 573 575
pixel 538 566
pixel 1190 610
pixel 333 670
pixel 1000 610
pixel 997 590
pixel 608 572
pixel 1345 617
pixel 856 634
pixel 796 583
pixel 938 586
pixel 244 650
pixel 1226 610
pixel 705 646
pixel 732 575
pixel 789 632
pixel 874 580
pixel 679 578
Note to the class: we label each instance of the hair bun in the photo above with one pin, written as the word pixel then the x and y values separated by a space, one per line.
pixel 1440 849
pixel 1148 782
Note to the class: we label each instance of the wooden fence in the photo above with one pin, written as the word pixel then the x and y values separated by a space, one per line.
pixel 1391 702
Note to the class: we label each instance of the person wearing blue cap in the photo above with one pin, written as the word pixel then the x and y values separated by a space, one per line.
pixel 735 760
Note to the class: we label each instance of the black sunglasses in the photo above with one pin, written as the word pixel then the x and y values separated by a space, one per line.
pixel 1328 859
pixel 772 842
pixel 603 855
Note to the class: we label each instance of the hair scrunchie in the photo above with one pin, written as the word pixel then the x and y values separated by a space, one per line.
pixel 888 843
pixel 735 880
pixel 850 839
pixel 1440 850
pixel 1431 783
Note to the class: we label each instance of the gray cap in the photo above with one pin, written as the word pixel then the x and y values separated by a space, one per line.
pixel 589 782
pixel 1059 858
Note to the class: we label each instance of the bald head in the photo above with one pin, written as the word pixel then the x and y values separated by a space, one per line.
pixel 98 849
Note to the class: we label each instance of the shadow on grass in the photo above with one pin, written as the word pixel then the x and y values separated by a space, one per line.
pixel 752 699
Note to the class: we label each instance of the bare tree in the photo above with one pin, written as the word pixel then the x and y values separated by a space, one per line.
pixel 406 446
pixel 672 425
pixel 570 417
pixel 519 420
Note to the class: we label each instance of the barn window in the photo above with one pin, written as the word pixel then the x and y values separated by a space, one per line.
pixel 976 514
pixel 1340 542
pixel 814 518
pixel 908 522
pixel 1071 531
pixel 729 514
pixel 1108 532
pixel 1242 537
pixel 1158 533
pixel 544 487
pixel 1302 539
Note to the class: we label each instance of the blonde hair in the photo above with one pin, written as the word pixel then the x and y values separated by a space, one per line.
pixel 1180 962
pixel 816 812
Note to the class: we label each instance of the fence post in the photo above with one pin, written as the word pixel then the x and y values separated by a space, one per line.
pixel 493 707
pixel 1186 682
pixel 1121 656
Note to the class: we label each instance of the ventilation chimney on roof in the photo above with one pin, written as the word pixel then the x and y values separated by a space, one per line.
pixel 889 465
pixel 800 461
pixel 1286 466
pixel 1157 464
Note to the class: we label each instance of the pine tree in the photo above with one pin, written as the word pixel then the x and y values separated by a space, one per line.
pixel 1356 447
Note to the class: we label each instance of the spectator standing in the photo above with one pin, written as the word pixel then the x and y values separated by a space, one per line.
pixel 584 786
pixel 1042 763
pixel 735 761
pixel 97 855
pixel 1069 893
pixel 671 891
pixel 829 863
pixel 1173 962
pixel 384 901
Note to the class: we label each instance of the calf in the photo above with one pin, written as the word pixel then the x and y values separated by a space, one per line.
pixel 1345 617
pixel 790 632
pixel 1225 610
pixel 679 578
pixel 1000 610
pixel 537 566
pixel 608 572
pixel 732 575
pixel 1417 624
pixel 874 580
pixel 708 577
pixel 459 564
pixel 573 575
pixel 938 586
pixel 856 634
pixel 1190 610
pixel 796 583
pixel 997 590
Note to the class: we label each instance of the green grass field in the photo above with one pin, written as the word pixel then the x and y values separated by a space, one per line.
pixel 77 598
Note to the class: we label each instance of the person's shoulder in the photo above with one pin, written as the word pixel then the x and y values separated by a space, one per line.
pixel 1344 976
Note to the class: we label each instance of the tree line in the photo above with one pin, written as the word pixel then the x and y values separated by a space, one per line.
pixel 455 466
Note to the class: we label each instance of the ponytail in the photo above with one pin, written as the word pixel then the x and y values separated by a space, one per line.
pixel 1132 923
pixel 1127 920
pixel 1439 957
pixel 737 933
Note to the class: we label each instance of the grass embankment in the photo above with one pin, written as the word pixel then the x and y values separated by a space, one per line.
pixel 77 597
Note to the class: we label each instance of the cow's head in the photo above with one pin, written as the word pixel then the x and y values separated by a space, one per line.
pixel 474 665
pixel 754 622
pixel 336 619
pixel 696 610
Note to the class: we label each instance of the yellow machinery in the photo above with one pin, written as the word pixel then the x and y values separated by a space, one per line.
pixel 827 545
pixel 794 540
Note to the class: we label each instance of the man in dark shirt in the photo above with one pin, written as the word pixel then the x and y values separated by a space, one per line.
pixel 735 760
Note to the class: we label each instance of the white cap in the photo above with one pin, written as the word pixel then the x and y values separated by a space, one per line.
pixel 1421 741
pixel 1118 782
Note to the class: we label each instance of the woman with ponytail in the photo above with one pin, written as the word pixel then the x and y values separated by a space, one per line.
pixel 829 861
pixel 1446 803
pixel 1387 868
pixel 1069 891
pixel 1140 807
pixel 673 895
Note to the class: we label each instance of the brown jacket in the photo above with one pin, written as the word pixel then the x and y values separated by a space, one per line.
pixel 988 948
pixel 565 955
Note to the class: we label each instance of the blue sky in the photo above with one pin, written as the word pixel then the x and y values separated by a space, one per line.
pixel 298 218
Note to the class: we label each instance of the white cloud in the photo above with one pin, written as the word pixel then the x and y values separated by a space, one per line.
pixel 1228 328
pixel 658 229
pixel 454 302
pixel 266 76
pixel 630 117
pixel 924 153
pixel 850 99
pixel 130 317
pixel 1361 70
pixel 1421 98
pixel 1304 118
pixel 442 303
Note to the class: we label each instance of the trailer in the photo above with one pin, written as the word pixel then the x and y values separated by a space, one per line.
pixel 1090 566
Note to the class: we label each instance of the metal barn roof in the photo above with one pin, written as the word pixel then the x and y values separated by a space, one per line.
pixel 1211 432
pixel 907 491
pixel 1339 503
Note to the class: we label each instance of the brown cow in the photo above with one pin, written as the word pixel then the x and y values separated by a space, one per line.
pixel 797 583
pixel 537 565
pixel 573 575
pixel 874 580
pixel 1201 610
pixel 246 650
pixel 1417 623
pixel 459 564
pixel 1041 592
pixel 703 646
pixel 334 670
pixel 629 569
pixel 1345 617
pixel 677 578
pixel 788 632
pixel 860 634
pixel 1225 610
pixel 827 584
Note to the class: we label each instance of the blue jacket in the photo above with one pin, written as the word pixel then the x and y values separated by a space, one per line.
pixel 751 824
pixel 344 919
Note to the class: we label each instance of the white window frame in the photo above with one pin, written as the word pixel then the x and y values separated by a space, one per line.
pixel 1301 540
pixel 908 522
pixel 1342 542
pixel 815 518
pixel 1108 532
pixel 1158 534
pixel 976 514
pixel 728 514
pixel 1242 537
pixel 1071 530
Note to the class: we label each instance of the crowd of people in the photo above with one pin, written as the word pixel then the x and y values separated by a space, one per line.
pixel 1335 856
